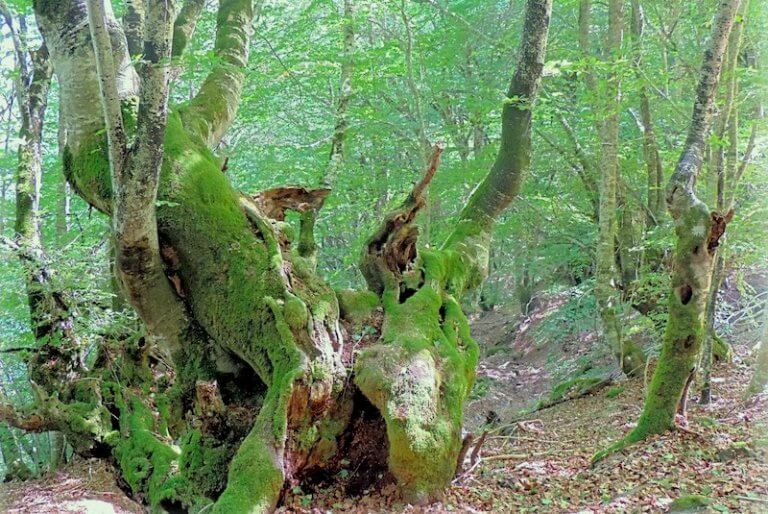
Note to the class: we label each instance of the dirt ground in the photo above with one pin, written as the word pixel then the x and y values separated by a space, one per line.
pixel 544 465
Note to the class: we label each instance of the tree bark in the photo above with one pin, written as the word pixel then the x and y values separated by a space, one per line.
pixel 725 168
pixel 336 156
pixel 653 163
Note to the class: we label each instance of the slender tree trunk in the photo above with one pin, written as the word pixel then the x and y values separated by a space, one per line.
pixel 698 234
pixel 630 357
pixel 337 154
pixel 653 163
pixel 725 167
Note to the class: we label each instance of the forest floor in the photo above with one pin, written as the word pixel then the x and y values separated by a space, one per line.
pixel 541 463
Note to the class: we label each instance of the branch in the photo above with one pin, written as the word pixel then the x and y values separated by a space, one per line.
pixel 214 107
pixel 392 248
pixel 31 422
pixel 110 99
pixel 23 78
pixel 583 168
pixel 185 24
pixel 434 162
pixel 502 184
pixel 138 263
pixel 736 180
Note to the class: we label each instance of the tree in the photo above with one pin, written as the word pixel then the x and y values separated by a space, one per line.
pixel 49 311
pixel 629 356
pixel 725 166
pixel 698 232
pixel 251 347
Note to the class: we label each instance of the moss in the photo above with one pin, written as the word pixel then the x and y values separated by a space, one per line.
pixel 88 172
pixel 218 250
pixel 145 462
pixel 296 313
pixel 684 331
pixel 693 503
pixel 255 480
pixel 421 373
pixel 573 387
pixel 202 468
pixel 721 350
pixel 355 306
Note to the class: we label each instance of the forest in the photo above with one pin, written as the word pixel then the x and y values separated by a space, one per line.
pixel 368 256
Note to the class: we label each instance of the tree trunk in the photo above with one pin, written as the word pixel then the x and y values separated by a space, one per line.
pixel 337 154
pixel 653 163
pixel 267 383
pixel 629 356
pixel 698 234
pixel 725 167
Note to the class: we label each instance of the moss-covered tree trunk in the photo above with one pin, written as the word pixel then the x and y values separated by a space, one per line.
pixel 265 384
pixel 698 235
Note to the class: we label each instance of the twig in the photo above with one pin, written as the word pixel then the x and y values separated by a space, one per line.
pixel 751 499
pixel 473 459
pixel 465 444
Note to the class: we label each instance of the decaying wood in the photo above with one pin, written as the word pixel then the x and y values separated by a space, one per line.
pixel 392 248
pixel 274 203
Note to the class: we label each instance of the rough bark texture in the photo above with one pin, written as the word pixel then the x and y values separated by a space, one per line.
pixel 698 234
pixel 265 386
